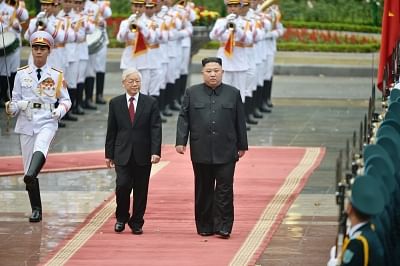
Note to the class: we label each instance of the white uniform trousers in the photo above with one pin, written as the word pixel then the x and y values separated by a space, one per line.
pixel 97 62
pixel 236 79
pixel 171 71
pixel 251 81
pixel 71 74
pixel 82 70
pixel 38 142
pixel 260 73
pixel 185 60
pixel 163 81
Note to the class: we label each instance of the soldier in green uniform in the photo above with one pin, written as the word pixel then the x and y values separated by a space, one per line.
pixel 362 246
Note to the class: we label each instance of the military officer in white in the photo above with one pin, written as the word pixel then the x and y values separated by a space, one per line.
pixel 38 88
pixel 139 38
pixel 10 18
pixel 99 11
pixel 233 37
pixel 46 21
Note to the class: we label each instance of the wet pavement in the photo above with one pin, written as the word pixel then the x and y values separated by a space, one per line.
pixel 309 111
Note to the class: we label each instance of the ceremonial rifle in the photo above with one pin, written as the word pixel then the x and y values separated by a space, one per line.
pixel 340 201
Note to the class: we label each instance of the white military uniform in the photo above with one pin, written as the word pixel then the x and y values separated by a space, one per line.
pixel 140 60
pixel 35 122
pixel 72 57
pixel 163 54
pixel 235 66
pixel 9 16
pixel 188 15
pixel 98 11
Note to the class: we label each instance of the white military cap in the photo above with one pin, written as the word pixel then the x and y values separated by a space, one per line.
pixel 42 38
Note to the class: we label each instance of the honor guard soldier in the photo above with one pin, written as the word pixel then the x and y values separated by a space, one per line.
pixel 277 30
pixel 230 32
pixel 138 38
pixel 39 99
pixel 11 15
pixel 99 11
pixel 74 24
pixel 362 246
pixel 83 54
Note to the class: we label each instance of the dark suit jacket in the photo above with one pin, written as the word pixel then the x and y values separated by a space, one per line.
pixel 142 138
pixel 215 120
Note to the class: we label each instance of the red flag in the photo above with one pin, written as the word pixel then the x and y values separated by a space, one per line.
pixel 230 44
pixel 140 46
pixel 389 37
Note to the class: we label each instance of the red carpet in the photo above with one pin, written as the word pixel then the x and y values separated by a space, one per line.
pixel 56 162
pixel 267 181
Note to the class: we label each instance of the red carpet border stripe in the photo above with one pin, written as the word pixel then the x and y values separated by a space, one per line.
pixel 267 224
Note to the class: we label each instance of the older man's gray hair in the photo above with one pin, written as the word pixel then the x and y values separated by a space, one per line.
pixel 129 71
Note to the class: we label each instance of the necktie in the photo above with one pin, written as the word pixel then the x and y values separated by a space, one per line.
pixel 131 109
pixel 38 73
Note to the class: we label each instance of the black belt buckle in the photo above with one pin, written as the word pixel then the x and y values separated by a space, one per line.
pixel 37 105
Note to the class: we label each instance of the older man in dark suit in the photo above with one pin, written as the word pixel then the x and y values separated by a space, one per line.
pixel 133 143
pixel 213 114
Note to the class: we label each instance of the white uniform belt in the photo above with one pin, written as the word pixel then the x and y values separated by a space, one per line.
pixel 45 106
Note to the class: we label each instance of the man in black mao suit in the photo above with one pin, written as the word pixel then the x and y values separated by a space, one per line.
pixel 213 114
pixel 133 143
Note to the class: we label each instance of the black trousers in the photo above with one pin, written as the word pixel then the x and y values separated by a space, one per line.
pixel 214 196
pixel 135 178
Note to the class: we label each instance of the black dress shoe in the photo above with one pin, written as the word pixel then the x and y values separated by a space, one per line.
pixel 175 106
pixel 269 103
pixel 78 110
pixel 61 124
pixel 69 117
pixel 89 105
pixel 167 112
pixel 36 216
pixel 251 121
pixel 257 113
pixel 206 233
pixel 163 120
pixel 100 100
pixel 119 227
pixel 137 230
pixel 265 108
pixel 224 234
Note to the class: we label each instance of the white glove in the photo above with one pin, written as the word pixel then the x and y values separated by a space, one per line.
pixel 41 15
pixel 231 17
pixel 22 104
pixel 11 108
pixel 132 18
pixel 333 261
pixel 56 114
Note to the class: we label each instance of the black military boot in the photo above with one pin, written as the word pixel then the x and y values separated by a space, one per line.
pixel 254 100
pixel 77 109
pixel 269 93
pixel 36 202
pixel 183 86
pixel 174 103
pixel 168 99
pixel 249 117
pixel 100 76
pixel 89 87
pixel 264 94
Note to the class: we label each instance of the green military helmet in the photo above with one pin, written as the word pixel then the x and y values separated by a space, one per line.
pixel 394 95
pixel 373 149
pixel 373 171
pixel 392 147
pixel 387 130
pixel 394 108
pixel 386 169
pixel 365 197
pixel 391 120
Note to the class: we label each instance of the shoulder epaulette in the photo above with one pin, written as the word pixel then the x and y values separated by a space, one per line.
pixel 57 69
pixel 22 68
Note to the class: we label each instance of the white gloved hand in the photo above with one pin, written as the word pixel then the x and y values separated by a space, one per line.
pixel 22 104
pixel 41 14
pixel 333 261
pixel 132 18
pixel 231 17
pixel 11 108
pixel 56 114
